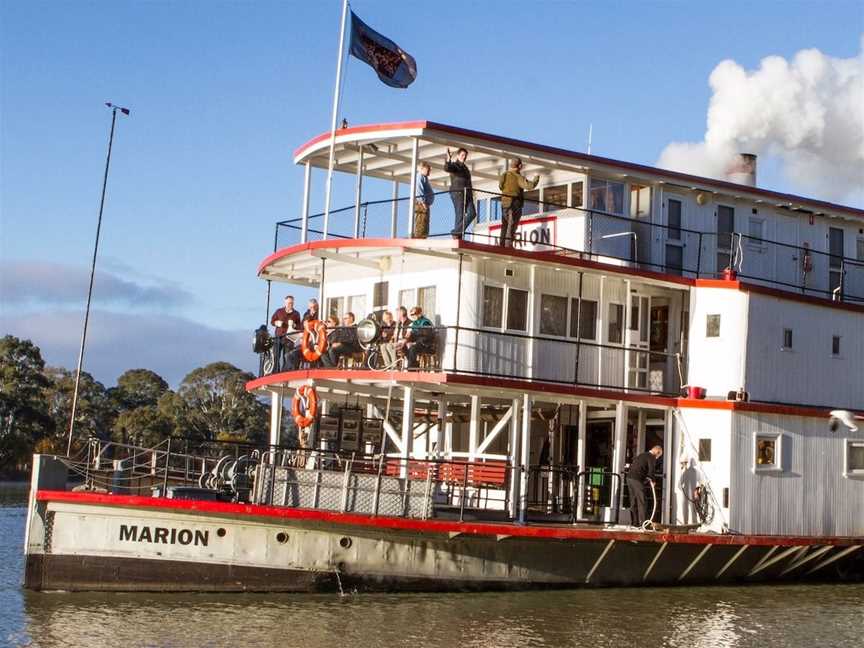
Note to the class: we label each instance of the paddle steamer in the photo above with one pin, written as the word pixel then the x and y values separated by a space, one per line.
pixel 635 307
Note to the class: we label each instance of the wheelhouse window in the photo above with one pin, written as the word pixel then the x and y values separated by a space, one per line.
pixel 493 306
pixel 854 458
pixel 615 331
pixel 787 339
pixel 712 326
pixel 766 455
pixel 554 197
pixel 859 249
pixel 577 194
pixel 553 315
pixel 607 196
pixel 583 323
pixel 704 450
pixel 835 345
pixel 517 309
pixel 532 202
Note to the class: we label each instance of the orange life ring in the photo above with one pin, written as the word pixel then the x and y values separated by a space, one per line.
pixel 314 342
pixel 307 398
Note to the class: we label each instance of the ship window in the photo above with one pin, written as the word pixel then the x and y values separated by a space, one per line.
pixel 336 306
pixel 787 339
pixel 495 209
pixel 493 306
pixel 704 450
pixel 553 315
pixel 859 249
pixel 577 189
pixel 554 197
pixel 712 326
pixel 674 220
pixel 615 332
pixel 426 300
pixel 607 196
pixel 406 298
pixel 835 345
pixel 767 451
pixel 517 309
pixel 357 305
pixel 380 294
pixel 583 324
pixel 855 458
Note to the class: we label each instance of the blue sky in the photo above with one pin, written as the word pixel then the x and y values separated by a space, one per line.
pixel 222 92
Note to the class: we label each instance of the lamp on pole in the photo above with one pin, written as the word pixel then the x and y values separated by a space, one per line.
pixel 114 108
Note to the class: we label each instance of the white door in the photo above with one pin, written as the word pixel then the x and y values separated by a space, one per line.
pixel 637 341
pixel 788 258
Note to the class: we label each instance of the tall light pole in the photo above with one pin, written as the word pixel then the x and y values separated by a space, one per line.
pixel 114 110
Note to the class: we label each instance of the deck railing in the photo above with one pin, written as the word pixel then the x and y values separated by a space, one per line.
pixel 606 237
pixel 498 354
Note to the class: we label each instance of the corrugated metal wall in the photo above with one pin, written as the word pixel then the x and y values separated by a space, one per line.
pixel 809 495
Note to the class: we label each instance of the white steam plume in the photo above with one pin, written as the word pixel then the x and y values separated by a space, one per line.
pixel 808 112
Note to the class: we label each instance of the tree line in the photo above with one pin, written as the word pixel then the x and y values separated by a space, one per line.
pixel 210 404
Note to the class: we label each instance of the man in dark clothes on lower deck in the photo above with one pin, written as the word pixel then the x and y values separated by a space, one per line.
pixel 641 469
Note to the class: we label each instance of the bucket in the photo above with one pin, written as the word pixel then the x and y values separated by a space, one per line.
pixel 697 393
pixel 729 274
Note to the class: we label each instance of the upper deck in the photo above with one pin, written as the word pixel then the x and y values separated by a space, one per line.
pixel 607 211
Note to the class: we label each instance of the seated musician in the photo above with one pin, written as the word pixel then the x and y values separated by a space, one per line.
pixel 342 342
pixel 420 337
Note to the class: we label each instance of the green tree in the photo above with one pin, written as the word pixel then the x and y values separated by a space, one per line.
pixel 212 404
pixel 138 387
pixel 23 406
pixel 94 414
pixel 145 426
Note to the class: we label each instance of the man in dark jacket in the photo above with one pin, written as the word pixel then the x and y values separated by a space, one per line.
pixel 343 341
pixel 641 470
pixel 461 192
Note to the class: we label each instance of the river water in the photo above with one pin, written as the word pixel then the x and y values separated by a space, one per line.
pixel 763 616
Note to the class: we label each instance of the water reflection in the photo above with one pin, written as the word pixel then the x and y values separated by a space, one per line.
pixel 764 617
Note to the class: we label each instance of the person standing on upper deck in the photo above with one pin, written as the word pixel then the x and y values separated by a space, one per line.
pixel 424 197
pixel 641 470
pixel 513 185
pixel 460 191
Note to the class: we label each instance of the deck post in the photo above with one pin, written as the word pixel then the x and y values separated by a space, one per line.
pixel 394 211
pixel 407 429
pixel 275 417
pixel 474 428
pixel 415 153
pixel 358 193
pixel 580 454
pixel 307 185
pixel 525 456
pixel 620 445
pixel 513 450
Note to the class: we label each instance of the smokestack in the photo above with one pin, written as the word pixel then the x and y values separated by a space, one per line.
pixel 742 169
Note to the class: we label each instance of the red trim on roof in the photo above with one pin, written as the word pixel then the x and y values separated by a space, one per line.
pixel 427 526
pixel 588 159
pixel 779 293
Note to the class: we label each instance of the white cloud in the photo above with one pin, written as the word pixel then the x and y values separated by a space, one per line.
pixel 807 112
pixel 44 282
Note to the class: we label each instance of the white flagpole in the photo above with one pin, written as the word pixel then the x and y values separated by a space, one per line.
pixel 335 115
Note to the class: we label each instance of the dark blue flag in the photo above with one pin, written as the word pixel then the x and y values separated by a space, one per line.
pixel 394 66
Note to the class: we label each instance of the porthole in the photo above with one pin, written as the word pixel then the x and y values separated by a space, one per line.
pixel 221 532
pixel 345 543
pixel 281 537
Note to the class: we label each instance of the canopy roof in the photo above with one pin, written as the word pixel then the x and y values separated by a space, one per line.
pixel 387 150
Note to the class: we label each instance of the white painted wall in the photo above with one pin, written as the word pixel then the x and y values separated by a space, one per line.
pixel 717 363
pixel 807 373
